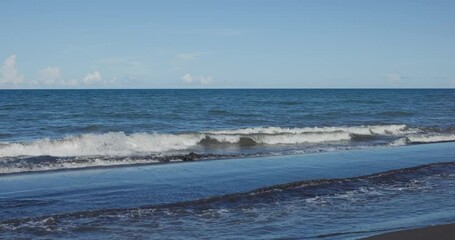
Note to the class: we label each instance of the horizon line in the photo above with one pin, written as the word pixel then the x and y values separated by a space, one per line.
pixel 233 88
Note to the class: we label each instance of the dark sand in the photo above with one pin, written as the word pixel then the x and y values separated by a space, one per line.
pixel 440 232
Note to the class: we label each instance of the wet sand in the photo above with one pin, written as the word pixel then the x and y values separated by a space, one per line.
pixel 440 232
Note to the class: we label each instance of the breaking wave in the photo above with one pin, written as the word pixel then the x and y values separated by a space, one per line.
pixel 121 144
pixel 431 138
pixel 49 163
pixel 424 138
pixel 119 148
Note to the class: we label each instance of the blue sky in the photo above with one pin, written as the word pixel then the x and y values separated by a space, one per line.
pixel 227 44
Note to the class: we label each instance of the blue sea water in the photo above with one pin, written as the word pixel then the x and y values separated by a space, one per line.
pixel 50 130
pixel 36 114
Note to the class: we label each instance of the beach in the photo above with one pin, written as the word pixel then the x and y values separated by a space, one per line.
pixel 442 232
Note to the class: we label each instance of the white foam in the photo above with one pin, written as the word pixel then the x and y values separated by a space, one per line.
pixel 423 138
pixel 113 143
pixel 364 130
pixel 431 138
pixel 121 144
pixel 73 165
pixel 399 142
pixel 302 138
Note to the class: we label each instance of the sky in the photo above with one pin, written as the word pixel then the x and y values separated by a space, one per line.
pixel 227 44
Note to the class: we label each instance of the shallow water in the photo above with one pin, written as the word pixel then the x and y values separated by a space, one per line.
pixel 338 195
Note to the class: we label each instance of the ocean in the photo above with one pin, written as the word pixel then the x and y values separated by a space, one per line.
pixel 56 144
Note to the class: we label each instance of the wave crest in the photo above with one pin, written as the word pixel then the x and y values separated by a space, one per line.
pixel 430 138
pixel 121 144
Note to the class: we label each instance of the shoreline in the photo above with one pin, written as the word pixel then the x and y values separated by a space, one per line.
pixel 440 232
pixel 76 196
pixel 211 158
pixel 164 183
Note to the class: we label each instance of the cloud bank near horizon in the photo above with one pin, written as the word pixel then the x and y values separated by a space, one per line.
pixel 52 77
pixel 47 77
pixel 10 74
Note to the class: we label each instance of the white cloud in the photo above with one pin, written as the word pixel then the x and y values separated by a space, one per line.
pixel 394 77
pixel 52 76
pixel 49 76
pixel 10 75
pixel 92 77
pixel 196 79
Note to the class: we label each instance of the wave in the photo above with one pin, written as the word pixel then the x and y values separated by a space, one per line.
pixel 374 129
pixel 431 138
pixel 120 149
pixel 122 144
pixel 424 138
pixel 51 163
pixel 112 143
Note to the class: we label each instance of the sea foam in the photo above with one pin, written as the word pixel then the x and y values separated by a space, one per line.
pixel 430 138
pixel 122 144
